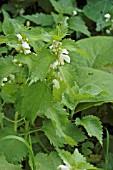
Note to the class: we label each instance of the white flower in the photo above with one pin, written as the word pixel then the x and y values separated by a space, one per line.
pixel 107 31
pixel 107 16
pixel 15 61
pixel 25 45
pixel 63 167
pixel 27 51
pixel 74 13
pixel 55 64
pixel 51 46
pixel 56 83
pixel 64 51
pixel 19 37
pixel 64 57
pixel 4 79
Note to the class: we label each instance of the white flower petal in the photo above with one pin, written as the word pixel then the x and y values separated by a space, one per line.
pixel 4 79
pixel 19 37
pixel 64 51
pixel 107 16
pixel 25 45
pixel 63 167
pixel 27 51
pixel 74 13
pixel 64 57
pixel 55 64
pixel 56 83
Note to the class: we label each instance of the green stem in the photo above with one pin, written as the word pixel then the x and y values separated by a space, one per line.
pixel 28 133
pixel 15 122
pixel 26 129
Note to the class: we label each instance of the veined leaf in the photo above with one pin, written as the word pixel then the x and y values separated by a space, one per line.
pixel 42 65
pixel 75 160
pixel 8 26
pixel 35 99
pixel 64 6
pixel 68 75
pixel 40 19
pixel 93 126
pixel 4 165
pixel 101 8
pixel 47 162
pixel 9 147
pixel 77 24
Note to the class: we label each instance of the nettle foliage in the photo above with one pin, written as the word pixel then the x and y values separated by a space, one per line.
pixel 46 79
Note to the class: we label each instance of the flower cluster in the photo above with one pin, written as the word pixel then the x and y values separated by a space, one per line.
pixel 9 79
pixel 23 47
pixel 62 54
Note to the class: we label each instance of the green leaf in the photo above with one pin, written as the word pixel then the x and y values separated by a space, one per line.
pixel 75 160
pixel 68 75
pixel 50 131
pixel 40 19
pixel 47 162
pixel 9 147
pixel 6 67
pixel 93 126
pixel 42 65
pixel 99 55
pixel 59 119
pixel 101 8
pixel 35 99
pixel 3 39
pixel 86 147
pixel 8 26
pixel 77 24
pixel 64 6
pixel 4 165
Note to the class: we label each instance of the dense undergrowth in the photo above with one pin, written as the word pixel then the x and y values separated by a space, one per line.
pixel 56 85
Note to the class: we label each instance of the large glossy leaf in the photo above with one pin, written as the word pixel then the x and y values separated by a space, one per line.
pixel 96 71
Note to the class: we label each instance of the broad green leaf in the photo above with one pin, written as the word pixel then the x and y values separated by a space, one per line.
pixel 35 99
pixel 42 65
pixel 69 129
pixel 8 26
pixel 47 162
pixel 75 160
pixel 4 165
pixel 35 34
pixel 87 147
pixel 99 55
pixel 59 119
pixel 68 75
pixel 101 8
pixel 94 71
pixel 64 6
pixel 77 24
pixel 6 67
pixel 50 132
pixel 9 147
pixel 40 19
pixel 93 126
